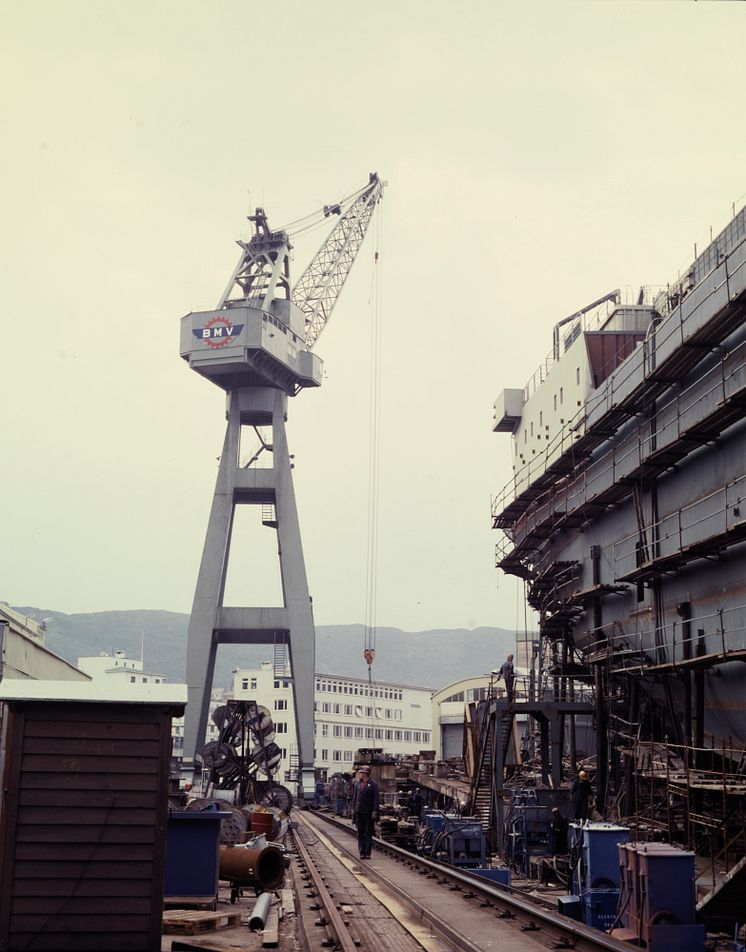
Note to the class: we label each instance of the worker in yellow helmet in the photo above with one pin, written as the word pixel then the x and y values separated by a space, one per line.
pixel 581 792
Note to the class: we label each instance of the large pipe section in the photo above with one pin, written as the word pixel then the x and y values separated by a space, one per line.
pixel 247 865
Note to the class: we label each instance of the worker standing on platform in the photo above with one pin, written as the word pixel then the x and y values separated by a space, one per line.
pixel 581 794
pixel 365 802
pixel 416 803
pixel 558 827
pixel 506 671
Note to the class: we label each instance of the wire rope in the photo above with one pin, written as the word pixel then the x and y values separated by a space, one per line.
pixel 374 455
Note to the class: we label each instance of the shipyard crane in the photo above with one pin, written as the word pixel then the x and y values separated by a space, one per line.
pixel 257 346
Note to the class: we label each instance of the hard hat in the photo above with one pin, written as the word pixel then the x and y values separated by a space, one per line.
pixel 583 775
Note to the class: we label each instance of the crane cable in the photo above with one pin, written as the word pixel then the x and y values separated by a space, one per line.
pixel 374 454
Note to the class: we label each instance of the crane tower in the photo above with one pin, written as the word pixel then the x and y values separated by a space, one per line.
pixel 256 345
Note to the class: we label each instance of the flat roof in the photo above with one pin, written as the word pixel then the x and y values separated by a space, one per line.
pixel 28 689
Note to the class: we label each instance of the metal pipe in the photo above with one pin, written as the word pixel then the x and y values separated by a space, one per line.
pixel 260 911
pixel 247 865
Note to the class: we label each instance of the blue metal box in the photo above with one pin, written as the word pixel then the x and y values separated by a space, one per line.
pixel 570 906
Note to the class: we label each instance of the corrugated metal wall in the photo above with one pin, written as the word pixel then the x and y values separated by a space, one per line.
pixel 82 825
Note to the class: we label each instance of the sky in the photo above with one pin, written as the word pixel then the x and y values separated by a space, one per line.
pixel 537 155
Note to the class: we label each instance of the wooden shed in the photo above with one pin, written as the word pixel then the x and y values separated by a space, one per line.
pixel 83 811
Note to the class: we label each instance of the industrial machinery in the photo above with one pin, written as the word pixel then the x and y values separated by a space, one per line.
pixel 456 840
pixel 257 346
pixel 657 902
pixel 245 757
pixel 594 858
pixel 527 830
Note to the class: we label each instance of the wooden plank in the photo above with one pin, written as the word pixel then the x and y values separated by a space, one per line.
pixel 194 921
pixel 82 942
pixel 54 779
pixel 125 799
pixel 271 933
pixel 287 900
pixel 79 923
pixel 91 747
pixel 73 886
pixel 101 852
pixel 93 729
pixel 89 906
pixel 85 834
pixel 72 713
pixel 111 815
pixel 74 764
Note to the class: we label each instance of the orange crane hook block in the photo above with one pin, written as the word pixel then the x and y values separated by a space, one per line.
pixel 369 655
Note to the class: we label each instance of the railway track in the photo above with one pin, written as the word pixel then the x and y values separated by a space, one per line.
pixel 401 902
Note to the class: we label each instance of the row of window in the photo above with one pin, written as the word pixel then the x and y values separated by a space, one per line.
pixel 377 733
pixel 343 687
pixel 250 684
pixel 357 710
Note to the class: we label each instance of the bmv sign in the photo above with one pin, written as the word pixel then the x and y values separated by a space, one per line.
pixel 218 331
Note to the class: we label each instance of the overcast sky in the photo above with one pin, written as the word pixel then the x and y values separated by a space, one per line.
pixel 537 156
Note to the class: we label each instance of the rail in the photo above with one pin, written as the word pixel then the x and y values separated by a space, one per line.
pixel 627 385
pixel 680 536
pixel 711 636
pixel 563 932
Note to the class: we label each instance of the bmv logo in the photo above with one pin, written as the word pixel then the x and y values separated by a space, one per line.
pixel 218 331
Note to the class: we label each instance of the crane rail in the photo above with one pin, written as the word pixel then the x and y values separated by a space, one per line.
pixel 528 916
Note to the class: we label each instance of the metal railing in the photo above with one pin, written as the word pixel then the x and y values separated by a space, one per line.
pixel 716 633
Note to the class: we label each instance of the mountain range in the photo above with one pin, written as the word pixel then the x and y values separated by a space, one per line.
pixel 431 659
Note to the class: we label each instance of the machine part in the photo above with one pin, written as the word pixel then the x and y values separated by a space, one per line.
pixel 232 828
pixel 260 911
pixel 275 795
pixel 248 865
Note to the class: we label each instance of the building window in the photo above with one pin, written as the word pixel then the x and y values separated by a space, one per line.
pixel 348 755
pixel 324 730
pixel 397 715
pixel 281 727
pixel 337 730
pixel 277 684
pixel 408 736
pixel 253 684
pixel 369 732
pixel 348 732
pixel 245 684
pixel 389 735
pixel 281 704
pixel 144 680
pixel 348 710
pixel 133 678
pixel 379 733
pixel 358 732
pixel 324 754
pixel 397 735
pixel 326 707
pixel 336 755
pixel 337 709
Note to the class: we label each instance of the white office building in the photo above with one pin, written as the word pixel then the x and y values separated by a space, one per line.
pixel 350 713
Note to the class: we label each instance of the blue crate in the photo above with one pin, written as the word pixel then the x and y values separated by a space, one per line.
pixel 600 908
pixel 570 907
pixel 495 875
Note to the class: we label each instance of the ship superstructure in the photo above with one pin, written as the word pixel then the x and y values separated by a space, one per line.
pixel 626 517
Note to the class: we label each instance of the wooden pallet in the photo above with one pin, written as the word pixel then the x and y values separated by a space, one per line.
pixel 194 921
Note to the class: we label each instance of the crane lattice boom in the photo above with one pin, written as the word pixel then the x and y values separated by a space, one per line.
pixel 318 288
